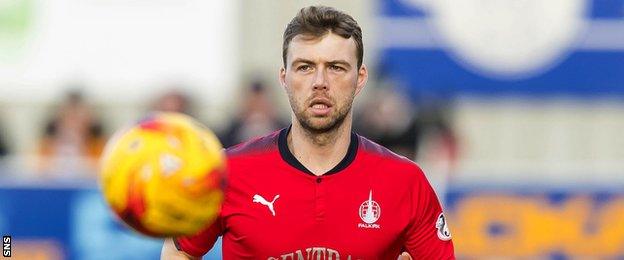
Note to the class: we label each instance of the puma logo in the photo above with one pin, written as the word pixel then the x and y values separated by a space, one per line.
pixel 259 199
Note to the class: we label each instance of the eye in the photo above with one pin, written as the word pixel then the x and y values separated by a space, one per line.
pixel 336 68
pixel 304 68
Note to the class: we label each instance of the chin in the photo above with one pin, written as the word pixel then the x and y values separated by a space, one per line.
pixel 319 125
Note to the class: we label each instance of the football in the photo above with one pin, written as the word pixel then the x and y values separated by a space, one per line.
pixel 164 176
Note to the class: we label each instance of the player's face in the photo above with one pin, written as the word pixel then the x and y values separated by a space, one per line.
pixel 321 80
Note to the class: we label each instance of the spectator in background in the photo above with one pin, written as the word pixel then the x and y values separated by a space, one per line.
pixel 389 119
pixel 256 118
pixel 438 148
pixel 4 150
pixel 72 141
pixel 173 101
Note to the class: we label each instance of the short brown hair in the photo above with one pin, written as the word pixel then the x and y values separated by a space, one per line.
pixel 317 21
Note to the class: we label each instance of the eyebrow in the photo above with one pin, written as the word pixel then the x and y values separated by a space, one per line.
pixel 300 60
pixel 341 62
pixel 333 62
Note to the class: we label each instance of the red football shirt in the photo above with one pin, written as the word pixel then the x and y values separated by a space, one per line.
pixel 373 205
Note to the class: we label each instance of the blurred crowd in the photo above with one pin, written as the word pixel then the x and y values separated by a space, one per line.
pixel 73 136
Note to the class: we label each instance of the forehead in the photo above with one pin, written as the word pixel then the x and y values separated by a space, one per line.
pixel 325 48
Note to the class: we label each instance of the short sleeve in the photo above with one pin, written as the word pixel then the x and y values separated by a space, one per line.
pixel 199 244
pixel 428 235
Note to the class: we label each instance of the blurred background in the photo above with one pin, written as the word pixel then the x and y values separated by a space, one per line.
pixel 514 108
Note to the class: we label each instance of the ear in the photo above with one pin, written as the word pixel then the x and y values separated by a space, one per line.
pixel 361 79
pixel 282 77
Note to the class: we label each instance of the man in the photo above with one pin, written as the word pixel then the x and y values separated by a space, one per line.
pixel 316 190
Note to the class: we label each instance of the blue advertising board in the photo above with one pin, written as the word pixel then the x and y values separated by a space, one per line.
pixel 70 223
pixel 535 49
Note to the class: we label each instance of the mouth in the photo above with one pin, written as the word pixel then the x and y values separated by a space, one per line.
pixel 320 106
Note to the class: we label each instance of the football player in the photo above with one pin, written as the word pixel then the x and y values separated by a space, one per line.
pixel 316 190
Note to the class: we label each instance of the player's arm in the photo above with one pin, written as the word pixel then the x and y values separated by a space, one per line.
pixel 192 247
pixel 427 236
pixel 405 256
pixel 170 252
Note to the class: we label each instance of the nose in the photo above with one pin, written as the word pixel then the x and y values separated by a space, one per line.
pixel 320 80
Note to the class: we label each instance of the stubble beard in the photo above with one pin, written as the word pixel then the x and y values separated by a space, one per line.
pixel 307 121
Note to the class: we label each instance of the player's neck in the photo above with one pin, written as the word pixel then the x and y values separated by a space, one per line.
pixel 319 153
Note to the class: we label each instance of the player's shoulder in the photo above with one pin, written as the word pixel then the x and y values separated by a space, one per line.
pixel 395 164
pixel 256 146
pixel 370 148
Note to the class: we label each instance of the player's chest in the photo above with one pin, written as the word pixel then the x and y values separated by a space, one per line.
pixel 329 218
